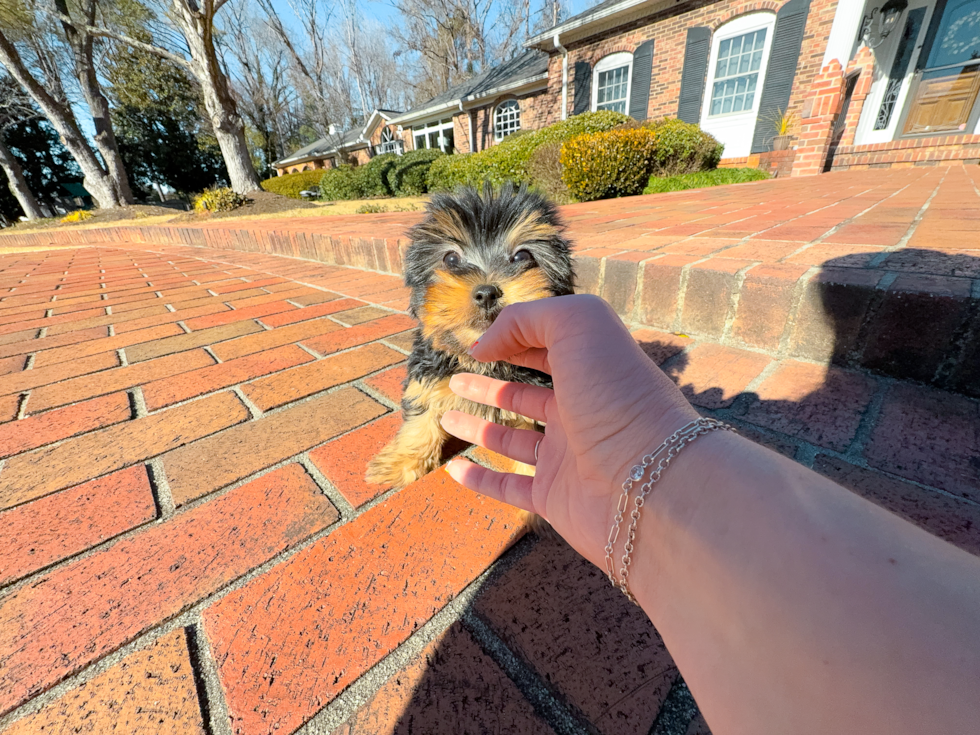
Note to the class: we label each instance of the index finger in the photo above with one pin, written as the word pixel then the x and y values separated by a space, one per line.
pixel 528 330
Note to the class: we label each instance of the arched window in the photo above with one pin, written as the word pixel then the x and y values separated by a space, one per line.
pixel 389 143
pixel 506 119
pixel 611 83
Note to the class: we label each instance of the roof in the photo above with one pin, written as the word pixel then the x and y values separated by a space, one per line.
pixel 324 147
pixel 596 19
pixel 75 189
pixel 529 66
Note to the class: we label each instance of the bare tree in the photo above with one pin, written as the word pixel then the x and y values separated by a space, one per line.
pixel 455 39
pixel 195 21
pixel 16 107
pixel 312 61
pixel 82 45
pixel 260 72
pixel 59 113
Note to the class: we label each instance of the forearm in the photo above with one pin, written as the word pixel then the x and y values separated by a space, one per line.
pixel 792 605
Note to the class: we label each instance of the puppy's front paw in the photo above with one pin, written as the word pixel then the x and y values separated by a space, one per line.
pixel 396 468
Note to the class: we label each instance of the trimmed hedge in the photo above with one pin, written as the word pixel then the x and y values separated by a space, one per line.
pixel 683 148
pixel 408 177
pixel 291 185
pixel 339 183
pixel 611 164
pixel 703 179
pixel 372 177
pixel 510 160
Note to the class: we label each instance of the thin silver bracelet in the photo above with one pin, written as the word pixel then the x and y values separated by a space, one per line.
pixel 671 446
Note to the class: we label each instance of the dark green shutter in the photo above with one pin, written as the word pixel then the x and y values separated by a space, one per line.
pixel 783 59
pixel 640 83
pixel 583 87
pixel 693 76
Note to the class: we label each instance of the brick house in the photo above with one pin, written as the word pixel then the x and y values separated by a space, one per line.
pixel 872 83
pixel 354 146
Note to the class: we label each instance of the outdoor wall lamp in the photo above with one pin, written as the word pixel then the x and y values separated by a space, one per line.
pixel 880 22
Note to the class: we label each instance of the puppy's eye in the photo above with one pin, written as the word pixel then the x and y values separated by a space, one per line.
pixel 522 256
pixel 452 260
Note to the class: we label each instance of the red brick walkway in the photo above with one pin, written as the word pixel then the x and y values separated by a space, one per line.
pixel 187 544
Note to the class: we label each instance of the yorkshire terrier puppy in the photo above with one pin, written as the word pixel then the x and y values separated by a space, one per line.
pixel 472 255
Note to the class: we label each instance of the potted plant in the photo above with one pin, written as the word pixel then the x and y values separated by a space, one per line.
pixel 783 123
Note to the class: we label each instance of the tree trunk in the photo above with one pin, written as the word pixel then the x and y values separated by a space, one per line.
pixel 96 181
pixel 81 44
pixel 18 184
pixel 198 28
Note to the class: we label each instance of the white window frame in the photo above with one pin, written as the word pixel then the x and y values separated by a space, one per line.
pixel 389 144
pixel 513 122
pixel 739 27
pixel 608 63
pixel 425 129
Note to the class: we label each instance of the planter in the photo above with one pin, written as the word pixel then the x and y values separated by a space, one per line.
pixel 781 142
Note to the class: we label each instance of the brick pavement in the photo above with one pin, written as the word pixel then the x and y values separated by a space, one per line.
pixel 188 544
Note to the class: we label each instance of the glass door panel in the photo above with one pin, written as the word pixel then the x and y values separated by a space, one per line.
pixel 948 84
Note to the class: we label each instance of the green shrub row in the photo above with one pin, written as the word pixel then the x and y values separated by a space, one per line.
pixel 510 160
pixel 386 175
pixel 702 179
pixel 291 185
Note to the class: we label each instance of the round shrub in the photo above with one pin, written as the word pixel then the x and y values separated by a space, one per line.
pixel 683 148
pixel 510 160
pixel 291 185
pixel 340 183
pixel 218 199
pixel 372 177
pixel 610 164
pixel 408 177
pixel 545 169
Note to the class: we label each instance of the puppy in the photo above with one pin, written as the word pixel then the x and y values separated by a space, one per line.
pixel 472 255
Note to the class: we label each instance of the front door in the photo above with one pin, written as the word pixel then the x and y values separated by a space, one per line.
pixel 897 58
pixel 947 83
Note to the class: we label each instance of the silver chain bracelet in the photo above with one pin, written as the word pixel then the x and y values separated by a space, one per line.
pixel 671 446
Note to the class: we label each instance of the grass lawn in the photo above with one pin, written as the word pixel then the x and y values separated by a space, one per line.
pixel 703 179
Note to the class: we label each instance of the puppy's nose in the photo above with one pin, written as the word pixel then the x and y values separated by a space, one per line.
pixel 486 296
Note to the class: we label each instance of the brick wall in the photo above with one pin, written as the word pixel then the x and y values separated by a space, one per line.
pixel 668 29
pixel 538 110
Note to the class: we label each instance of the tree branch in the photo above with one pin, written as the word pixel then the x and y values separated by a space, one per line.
pixel 148 47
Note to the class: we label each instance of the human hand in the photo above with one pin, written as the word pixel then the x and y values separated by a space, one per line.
pixel 610 406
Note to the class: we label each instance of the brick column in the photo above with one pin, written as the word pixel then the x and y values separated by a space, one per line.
pixel 817 120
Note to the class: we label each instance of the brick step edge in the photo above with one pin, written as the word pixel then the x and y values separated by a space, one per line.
pixel 903 324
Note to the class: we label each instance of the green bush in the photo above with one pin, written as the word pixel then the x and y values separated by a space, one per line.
pixel 702 179
pixel 610 164
pixel 683 148
pixel 340 183
pixel 510 160
pixel 218 199
pixel 291 185
pixel 546 173
pixel 372 177
pixel 408 177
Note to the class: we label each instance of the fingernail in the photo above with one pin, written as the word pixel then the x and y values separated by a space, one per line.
pixel 473 347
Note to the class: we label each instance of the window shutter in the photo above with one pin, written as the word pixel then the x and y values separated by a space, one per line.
pixel 583 87
pixel 785 55
pixel 693 76
pixel 640 83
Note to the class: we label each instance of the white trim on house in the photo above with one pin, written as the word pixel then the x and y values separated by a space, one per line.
pixel 601 20
pixel 512 87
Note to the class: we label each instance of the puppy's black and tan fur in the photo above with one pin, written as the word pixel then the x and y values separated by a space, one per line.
pixel 472 255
